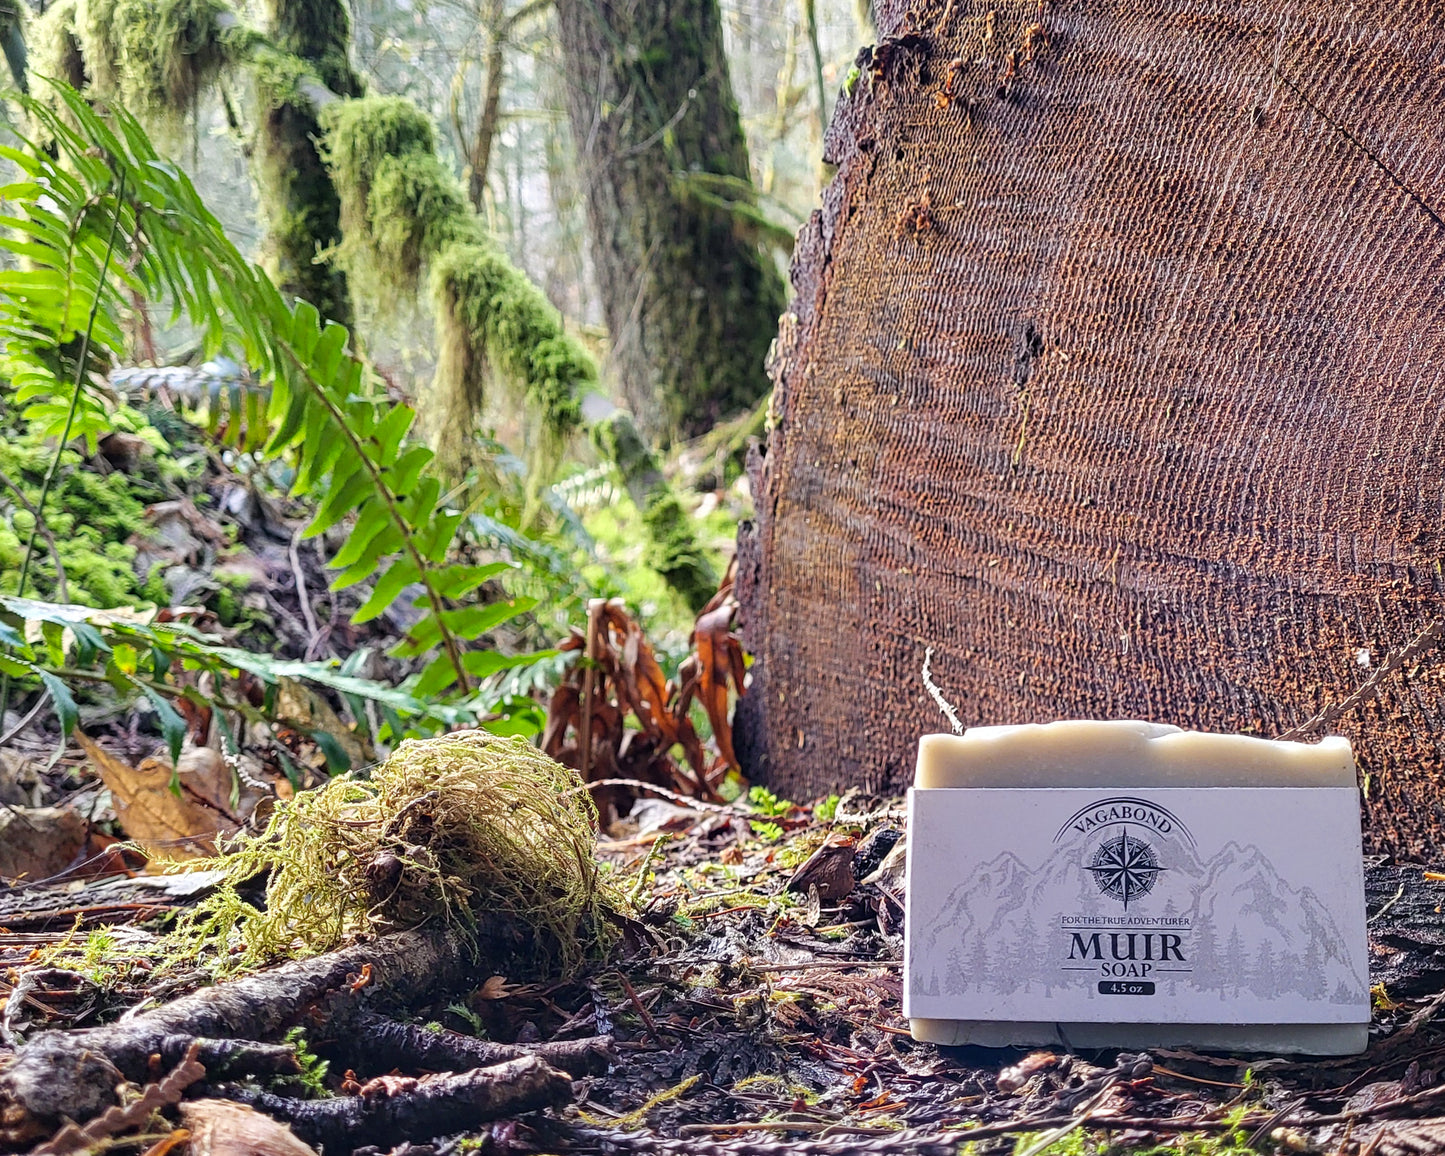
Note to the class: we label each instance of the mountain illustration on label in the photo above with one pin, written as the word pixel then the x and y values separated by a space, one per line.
pixel 1125 903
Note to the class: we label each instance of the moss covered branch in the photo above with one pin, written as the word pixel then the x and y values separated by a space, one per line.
pixel 404 213
pixel 672 547
pixel 157 57
pixel 302 209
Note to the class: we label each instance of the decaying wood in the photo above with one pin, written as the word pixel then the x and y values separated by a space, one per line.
pixel 373 1043
pixel 74 1074
pixel 392 1109
pixel 232 1057
pixel 115 1120
pixel 1112 376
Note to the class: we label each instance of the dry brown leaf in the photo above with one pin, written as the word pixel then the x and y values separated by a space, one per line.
pixel 496 987
pixel 299 708
pixel 38 842
pixel 221 1128
pixel 627 679
pixel 184 825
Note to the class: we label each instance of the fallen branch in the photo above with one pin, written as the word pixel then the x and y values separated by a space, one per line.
pixel 73 1074
pixel 113 1121
pixel 394 1109
pixel 373 1043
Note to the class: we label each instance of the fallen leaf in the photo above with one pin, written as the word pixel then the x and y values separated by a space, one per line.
pixel 38 842
pixel 183 824
pixel 221 1128
pixel 829 870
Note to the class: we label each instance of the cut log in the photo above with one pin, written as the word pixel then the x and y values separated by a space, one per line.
pixel 1115 374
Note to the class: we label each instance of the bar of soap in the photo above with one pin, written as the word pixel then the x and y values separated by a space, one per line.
pixel 1129 884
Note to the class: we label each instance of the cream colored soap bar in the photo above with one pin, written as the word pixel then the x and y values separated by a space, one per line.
pixel 1080 883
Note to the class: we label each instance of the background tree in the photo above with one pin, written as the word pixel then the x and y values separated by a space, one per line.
pixel 12 42
pixel 303 213
pixel 690 297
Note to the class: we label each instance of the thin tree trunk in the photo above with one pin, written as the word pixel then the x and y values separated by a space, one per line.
pixel 691 300
pixel 302 209
pixel 481 157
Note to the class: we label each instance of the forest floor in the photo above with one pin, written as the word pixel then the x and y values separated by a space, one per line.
pixel 754 1007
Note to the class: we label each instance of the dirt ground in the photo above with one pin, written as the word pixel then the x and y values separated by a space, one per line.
pixel 754 1006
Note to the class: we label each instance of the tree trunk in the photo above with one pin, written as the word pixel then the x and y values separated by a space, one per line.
pixel 303 213
pixel 481 153
pixel 12 43
pixel 1114 375
pixel 691 300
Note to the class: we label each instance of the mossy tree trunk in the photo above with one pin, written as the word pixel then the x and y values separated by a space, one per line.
pixel 302 209
pixel 12 43
pixel 691 299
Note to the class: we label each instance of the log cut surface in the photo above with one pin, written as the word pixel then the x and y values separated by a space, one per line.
pixel 1116 374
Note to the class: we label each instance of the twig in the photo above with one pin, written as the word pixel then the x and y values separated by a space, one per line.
pixel 639 785
pixel 830 964
pixel 30 718
pixel 391 1109
pixel 301 595
pixel 1424 642
pixel 937 695
pixel 595 609
pixel 1389 903
pixel 73 1138
pixel 1042 1142
pixel 646 1015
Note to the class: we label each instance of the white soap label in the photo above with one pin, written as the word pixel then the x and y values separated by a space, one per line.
pixel 1216 905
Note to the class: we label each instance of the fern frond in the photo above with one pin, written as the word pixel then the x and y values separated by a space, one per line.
pixel 347 444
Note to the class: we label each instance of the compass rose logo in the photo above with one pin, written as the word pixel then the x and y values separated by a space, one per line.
pixel 1125 867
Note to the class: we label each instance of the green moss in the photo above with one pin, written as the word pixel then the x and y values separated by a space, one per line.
pixel 318 32
pixel 309 40
pixel 400 207
pixel 300 206
pixel 91 519
pixel 157 56
pixel 403 211
pixel 672 547
pixel 55 50
pixel 453 830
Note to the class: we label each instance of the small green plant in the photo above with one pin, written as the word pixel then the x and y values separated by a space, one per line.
pixel 473 1021
pixel 767 832
pixel 850 82
pixel 766 803
pixel 312 1076
pixel 825 810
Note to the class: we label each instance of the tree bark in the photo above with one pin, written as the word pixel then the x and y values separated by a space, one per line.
pixel 481 152
pixel 74 1074
pixel 1114 374
pixel 690 298
pixel 301 206
pixel 12 43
